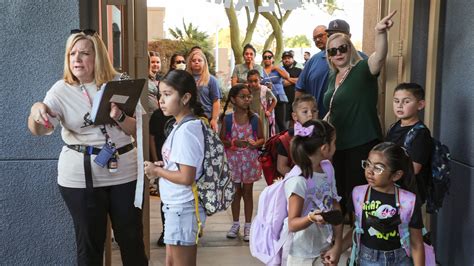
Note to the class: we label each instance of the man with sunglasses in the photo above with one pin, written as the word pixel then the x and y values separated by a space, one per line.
pixel 314 77
pixel 291 66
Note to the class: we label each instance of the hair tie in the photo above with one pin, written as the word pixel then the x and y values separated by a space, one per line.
pixel 302 131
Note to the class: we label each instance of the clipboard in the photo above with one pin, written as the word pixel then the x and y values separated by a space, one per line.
pixel 125 93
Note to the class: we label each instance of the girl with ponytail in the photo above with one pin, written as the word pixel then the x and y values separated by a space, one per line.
pixel 183 154
pixel 312 197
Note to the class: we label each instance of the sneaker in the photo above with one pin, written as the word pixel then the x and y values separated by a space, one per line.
pixel 246 233
pixel 234 231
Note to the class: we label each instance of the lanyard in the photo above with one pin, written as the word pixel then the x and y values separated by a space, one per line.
pixel 102 128
pixel 86 94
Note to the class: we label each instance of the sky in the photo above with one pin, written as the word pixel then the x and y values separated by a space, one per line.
pixel 209 16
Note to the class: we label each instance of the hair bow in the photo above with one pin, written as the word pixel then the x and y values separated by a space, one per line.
pixel 302 131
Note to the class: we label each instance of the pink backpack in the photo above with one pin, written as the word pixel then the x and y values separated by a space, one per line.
pixel 266 236
pixel 406 201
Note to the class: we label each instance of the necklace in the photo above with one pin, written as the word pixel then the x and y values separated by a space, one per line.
pixel 344 76
pixel 326 118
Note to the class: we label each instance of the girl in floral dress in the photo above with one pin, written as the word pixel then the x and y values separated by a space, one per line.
pixel 242 134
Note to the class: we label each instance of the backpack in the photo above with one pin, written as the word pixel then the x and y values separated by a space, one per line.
pixel 228 125
pixel 269 155
pixel 215 189
pixel 406 202
pixel 440 182
pixel 266 235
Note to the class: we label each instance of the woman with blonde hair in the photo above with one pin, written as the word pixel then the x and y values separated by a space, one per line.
pixel 351 101
pixel 154 66
pixel 92 192
pixel 208 86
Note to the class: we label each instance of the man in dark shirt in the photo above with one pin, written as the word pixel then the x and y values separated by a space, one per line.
pixel 289 85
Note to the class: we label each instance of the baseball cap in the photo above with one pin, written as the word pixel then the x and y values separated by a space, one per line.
pixel 287 53
pixel 338 25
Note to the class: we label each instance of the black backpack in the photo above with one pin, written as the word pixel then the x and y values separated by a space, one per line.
pixel 438 187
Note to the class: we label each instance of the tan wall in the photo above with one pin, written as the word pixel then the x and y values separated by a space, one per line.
pixel 156 18
pixel 371 15
pixel 223 67
pixel 397 66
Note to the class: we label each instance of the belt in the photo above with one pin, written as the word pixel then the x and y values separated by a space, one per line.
pixel 93 150
pixel 88 150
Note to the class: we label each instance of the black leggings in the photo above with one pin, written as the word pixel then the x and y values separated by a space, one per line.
pixel 280 116
pixel 349 172
pixel 90 223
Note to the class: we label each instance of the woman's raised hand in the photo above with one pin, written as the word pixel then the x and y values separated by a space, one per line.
pixel 386 23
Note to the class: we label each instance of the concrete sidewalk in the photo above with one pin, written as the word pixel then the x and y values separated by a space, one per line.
pixel 214 248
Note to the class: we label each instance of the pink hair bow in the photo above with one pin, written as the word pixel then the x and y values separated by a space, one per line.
pixel 302 131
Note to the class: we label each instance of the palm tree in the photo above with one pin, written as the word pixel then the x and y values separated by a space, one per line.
pixel 192 36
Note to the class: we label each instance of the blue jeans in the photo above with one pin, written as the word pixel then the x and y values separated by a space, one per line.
pixel 373 257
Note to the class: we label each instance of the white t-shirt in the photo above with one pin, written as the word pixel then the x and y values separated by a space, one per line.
pixel 311 241
pixel 73 109
pixel 188 149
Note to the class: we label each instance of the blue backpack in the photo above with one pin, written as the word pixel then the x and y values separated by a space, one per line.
pixel 228 124
pixel 440 170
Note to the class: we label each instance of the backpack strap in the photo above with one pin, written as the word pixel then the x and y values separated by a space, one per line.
pixel 184 120
pixel 285 140
pixel 228 125
pixel 254 122
pixel 196 207
pixel 328 169
pixel 358 198
pixel 411 134
pixel 407 205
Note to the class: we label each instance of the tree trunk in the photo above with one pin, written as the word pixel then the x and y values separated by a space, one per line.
pixel 277 33
pixel 234 33
pixel 269 41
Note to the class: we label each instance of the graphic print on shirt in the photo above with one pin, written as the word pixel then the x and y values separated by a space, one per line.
pixel 321 195
pixel 87 120
pixel 381 220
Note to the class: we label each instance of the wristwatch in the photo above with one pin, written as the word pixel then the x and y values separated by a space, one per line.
pixel 122 117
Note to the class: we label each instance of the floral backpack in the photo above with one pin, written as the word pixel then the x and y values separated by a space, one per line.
pixel 214 188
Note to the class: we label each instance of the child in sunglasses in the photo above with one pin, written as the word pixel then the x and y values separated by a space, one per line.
pixel 242 134
pixel 388 221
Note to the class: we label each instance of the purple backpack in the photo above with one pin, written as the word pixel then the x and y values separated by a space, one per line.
pixel 406 202
pixel 266 236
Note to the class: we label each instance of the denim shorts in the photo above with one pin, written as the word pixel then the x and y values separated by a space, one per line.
pixel 373 257
pixel 181 225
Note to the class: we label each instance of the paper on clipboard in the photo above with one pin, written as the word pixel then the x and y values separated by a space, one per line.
pixel 125 93
pixel 119 98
